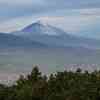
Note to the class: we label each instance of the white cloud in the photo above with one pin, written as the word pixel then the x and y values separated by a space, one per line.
pixel 71 24
pixel 89 12
pixel 16 23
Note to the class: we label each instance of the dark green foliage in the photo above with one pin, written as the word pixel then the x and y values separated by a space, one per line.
pixel 60 86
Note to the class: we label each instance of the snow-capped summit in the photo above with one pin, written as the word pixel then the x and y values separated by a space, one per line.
pixel 41 28
pixel 42 22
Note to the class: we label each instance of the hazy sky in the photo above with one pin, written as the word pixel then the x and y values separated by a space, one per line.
pixel 74 16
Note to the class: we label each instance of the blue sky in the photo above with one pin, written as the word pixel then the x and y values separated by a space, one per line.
pixel 79 17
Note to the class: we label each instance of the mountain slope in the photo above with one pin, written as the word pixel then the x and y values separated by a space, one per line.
pixel 55 37
pixel 9 40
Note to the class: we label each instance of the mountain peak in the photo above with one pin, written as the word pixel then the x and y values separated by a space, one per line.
pixel 41 22
pixel 41 27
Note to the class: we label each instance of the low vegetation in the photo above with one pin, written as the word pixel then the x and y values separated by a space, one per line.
pixel 65 85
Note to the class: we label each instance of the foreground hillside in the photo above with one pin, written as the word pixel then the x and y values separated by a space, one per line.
pixel 59 86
